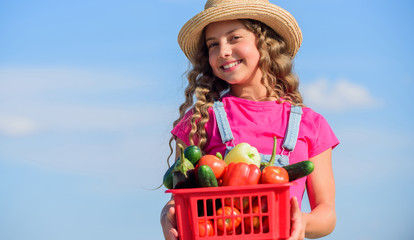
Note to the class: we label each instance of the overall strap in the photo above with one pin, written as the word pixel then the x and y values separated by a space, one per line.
pixel 292 132
pixel 290 139
pixel 222 122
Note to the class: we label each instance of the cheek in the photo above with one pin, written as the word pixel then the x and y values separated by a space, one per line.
pixel 213 63
pixel 249 51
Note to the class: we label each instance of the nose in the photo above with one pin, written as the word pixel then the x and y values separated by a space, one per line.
pixel 225 50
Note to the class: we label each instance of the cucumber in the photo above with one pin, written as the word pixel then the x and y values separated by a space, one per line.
pixel 299 170
pixel 193 154
pixel 168 176
pixel 206 177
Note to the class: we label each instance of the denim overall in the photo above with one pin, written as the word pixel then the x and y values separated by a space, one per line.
pixel 289 142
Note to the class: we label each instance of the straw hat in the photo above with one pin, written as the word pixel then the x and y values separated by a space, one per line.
pixel 219 10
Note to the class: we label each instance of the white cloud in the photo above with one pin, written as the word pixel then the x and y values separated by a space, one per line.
pixel 16 125
pixel 337 96
pixel 33 100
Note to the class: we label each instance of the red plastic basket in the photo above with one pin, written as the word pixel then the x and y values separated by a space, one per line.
pixel 251 212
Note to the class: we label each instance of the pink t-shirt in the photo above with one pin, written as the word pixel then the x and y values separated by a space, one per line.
pixel 257 123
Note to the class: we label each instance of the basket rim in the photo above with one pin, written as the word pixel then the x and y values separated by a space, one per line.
pixel 230 188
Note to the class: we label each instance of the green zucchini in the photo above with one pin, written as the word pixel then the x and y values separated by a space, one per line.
pixel 206 177
pixel 299 170
pixel 168 175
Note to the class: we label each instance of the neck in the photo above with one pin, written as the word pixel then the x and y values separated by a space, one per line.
pixel 255 93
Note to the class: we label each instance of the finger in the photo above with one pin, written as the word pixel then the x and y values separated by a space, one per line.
pixel 173 234
pixel 294 219
pixel 169 223
pixel 171 216
pixel 170 234
pixel 294 208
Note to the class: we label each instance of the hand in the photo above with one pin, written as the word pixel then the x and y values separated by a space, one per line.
pixel 168 221
pixel 298 221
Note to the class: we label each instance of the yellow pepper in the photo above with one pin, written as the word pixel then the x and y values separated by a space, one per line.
pixel 243 152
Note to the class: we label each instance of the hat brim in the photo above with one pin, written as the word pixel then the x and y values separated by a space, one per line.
pixel 273 16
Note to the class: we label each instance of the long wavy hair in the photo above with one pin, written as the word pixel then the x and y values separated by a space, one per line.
pixel 204 87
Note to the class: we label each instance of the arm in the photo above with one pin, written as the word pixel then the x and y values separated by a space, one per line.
pixel 167 218
pixel 321 192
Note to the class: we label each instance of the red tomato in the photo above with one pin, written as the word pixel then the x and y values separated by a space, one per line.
pixel 256 220
pixel 228 222
pixel 273 174
pixel 256 210
pixel 204 227
pixel 215 163
pixel 237 204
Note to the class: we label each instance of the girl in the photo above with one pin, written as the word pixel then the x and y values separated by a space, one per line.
pixel 241 77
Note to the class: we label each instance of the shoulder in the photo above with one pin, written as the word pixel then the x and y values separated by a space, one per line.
pixel 317 130
pixel 310 119
pixel 310 115
pixel 316 123
pixel 313 121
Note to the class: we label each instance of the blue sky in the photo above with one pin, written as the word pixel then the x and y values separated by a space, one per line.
pixel 89 90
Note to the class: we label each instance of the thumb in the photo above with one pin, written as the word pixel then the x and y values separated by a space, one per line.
pixel 171 216
pixel 294 208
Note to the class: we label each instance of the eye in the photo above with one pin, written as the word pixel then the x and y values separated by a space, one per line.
pixel 211 45
pixel 235 37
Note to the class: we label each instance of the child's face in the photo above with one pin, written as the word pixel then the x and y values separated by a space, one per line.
pixel 233 53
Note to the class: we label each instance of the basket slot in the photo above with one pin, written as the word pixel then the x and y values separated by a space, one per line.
pixel 227 217
pixel 256 218
pixel 263 213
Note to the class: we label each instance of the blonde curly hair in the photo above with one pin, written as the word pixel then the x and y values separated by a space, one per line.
pixel 205 88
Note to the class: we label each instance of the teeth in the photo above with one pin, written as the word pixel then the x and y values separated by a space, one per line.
pixel 231 65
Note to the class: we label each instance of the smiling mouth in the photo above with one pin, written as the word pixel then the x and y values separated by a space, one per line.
pixel 230 65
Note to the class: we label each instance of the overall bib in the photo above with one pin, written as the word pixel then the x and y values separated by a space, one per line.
pixel 289 140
